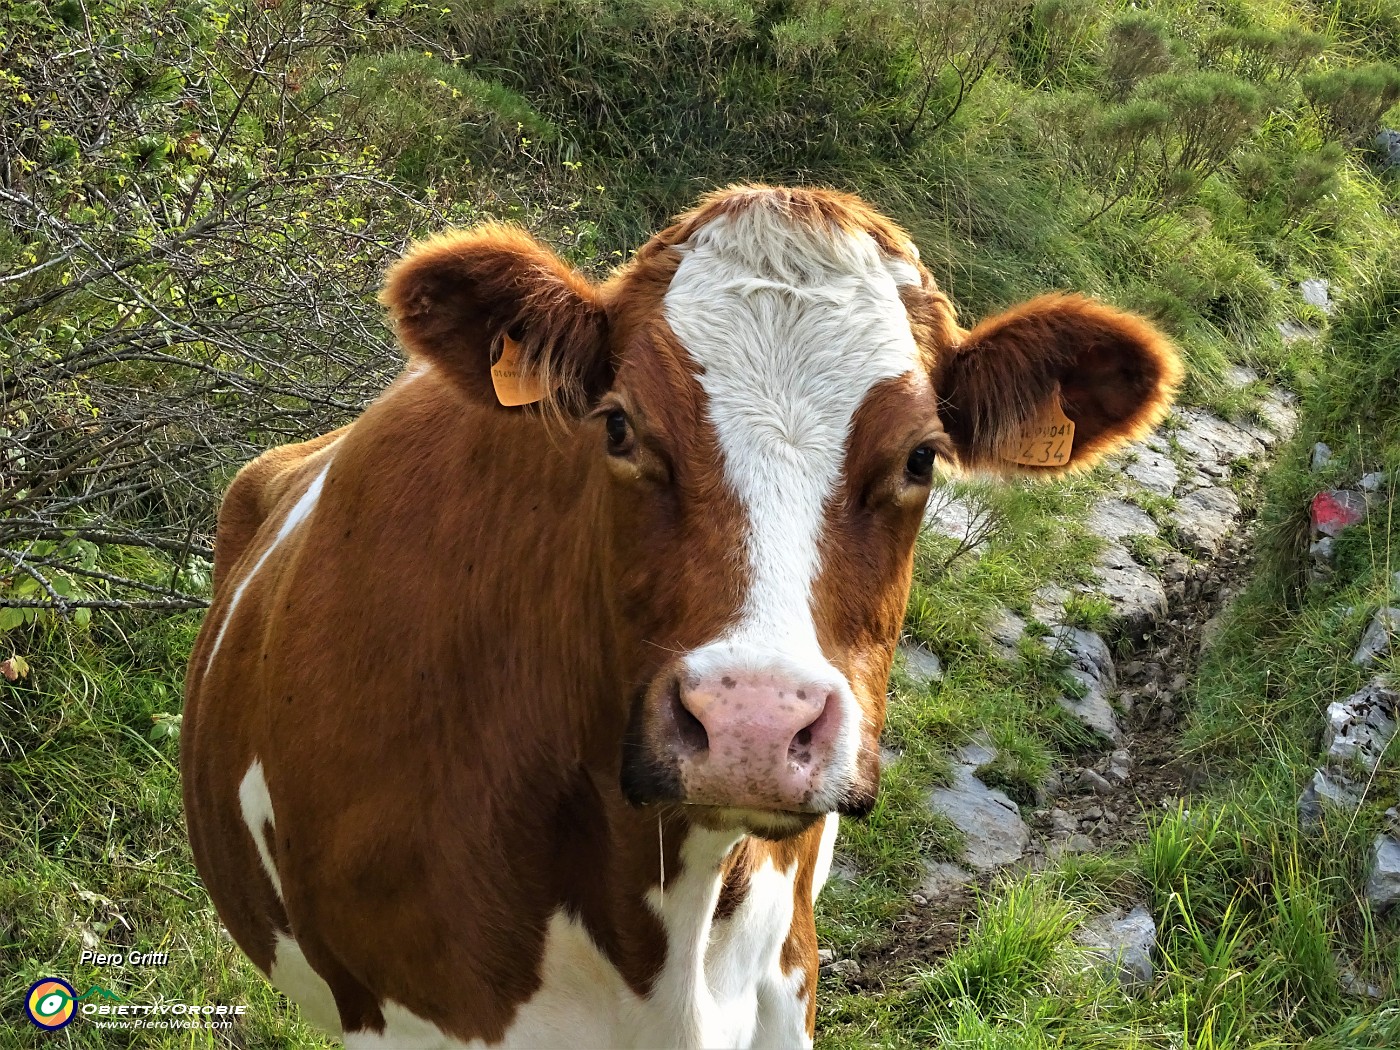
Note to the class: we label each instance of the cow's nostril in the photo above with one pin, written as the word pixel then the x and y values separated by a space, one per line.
pixel 690 729
pixel 803 738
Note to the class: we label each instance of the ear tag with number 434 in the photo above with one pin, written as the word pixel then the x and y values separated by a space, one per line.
pixel 1043 441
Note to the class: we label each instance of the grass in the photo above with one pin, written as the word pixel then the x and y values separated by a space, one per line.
pixel 92 846
pixel 558 114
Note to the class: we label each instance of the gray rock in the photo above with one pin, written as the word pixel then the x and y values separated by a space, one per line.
pixel 1316 292
pixel 1328 788
pixel 1375 643
pixel 1091 665
pixel 977 752
pixel 1004 632
pixel 1294 331
pixel 1092 780
pixel 1335 510
pixel 1372 482
pixel 1116 519
pixel 1279 414
pixel 1205 517
pixel 824 956
pixel 990 822
pixel 1214 443
pixel 1122 945
pixel 920 665
pixel 942 878
pixel 1151 468
pixel 1383 885
pixel 1076 843
pixel 1048 603
pixel 1137 598
pixel 1387 144
pixel 959 518
pixel 1321 455
pixel 1361 726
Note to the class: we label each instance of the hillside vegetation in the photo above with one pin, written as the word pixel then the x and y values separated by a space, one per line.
pixel 199 198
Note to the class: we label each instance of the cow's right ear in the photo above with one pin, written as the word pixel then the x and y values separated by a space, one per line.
pixel 460 297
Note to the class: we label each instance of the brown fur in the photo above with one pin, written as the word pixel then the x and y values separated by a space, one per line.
pixel 437 668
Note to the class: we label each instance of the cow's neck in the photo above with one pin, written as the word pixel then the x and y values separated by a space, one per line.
pixel 557 567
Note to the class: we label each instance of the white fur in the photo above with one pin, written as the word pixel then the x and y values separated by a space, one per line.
pixel 825 854
pixel 790 327
pixel 299 513
pixel 256 803
pixel 744 969
pixel 293 975
pixel 722 984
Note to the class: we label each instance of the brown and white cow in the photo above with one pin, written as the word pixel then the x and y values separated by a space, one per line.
pixel 529 726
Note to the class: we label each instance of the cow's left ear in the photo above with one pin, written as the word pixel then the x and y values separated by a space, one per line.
pixel 466 298
pixel 1112 374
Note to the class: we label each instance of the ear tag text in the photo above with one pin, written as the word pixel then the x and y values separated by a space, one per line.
pixel 513 385
pixel 1044 441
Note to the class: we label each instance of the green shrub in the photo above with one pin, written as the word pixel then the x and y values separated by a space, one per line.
pixel 1350 101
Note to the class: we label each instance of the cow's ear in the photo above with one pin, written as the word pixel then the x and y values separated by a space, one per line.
pixel 1112 374
pixel 459 299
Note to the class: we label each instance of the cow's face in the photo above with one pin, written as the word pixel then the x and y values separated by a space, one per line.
pixel 767 390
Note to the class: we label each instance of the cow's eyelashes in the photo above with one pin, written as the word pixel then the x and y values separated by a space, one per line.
pixel 619 432
pixel 919 466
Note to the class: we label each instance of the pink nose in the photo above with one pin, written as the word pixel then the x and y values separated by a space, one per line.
pixel 751 740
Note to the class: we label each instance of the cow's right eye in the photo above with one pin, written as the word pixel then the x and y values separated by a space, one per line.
pixel 619 432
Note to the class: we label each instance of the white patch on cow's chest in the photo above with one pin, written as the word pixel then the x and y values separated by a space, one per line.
pixel 721 986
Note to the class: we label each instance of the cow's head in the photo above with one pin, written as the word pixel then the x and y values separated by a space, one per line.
pixel 765 392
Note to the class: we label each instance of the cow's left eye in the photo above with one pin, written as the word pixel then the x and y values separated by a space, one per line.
pixel 619 432
pixel 920 465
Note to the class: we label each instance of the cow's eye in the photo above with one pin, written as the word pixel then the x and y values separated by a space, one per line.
pixel 619 432
pixel 920 465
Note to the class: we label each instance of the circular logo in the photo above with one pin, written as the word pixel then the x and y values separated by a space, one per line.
pixel 50 1003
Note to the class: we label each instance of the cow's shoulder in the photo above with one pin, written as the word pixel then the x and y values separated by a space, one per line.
pixel 255 493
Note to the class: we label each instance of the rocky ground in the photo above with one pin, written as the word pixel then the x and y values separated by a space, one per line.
pixel 1173 555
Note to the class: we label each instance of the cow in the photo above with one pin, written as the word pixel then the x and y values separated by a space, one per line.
pixel 527 703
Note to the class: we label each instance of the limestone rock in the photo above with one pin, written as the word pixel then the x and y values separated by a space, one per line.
pixel 1091 665
pixel 1214 443
pixel 1328 788
pixel 1116 519
pixel 1122 945
pixel 921 665
pixel 958 518
pixel 1151 468
pixel 991 823
pixel 1004 632
pixel 1383 885
pixel 1337 509
pixel 1137 597
pixel 1316 292
pixel 943 878
pixel 1293 331
pixel 1361 726
pixel 1375 643
pixel 1387 145
pixel 1205 517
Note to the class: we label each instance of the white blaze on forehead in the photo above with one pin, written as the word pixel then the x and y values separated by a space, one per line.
pixel 790 325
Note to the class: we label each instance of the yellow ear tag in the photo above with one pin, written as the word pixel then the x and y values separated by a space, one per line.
pixel 514 386
pixel 1044 441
